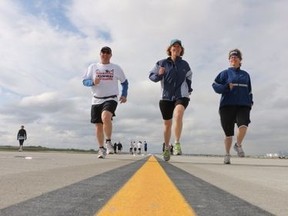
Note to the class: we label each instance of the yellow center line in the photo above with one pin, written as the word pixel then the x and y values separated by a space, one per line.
pixel 148 192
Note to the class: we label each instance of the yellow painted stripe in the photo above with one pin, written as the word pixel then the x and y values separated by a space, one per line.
pixel 148 192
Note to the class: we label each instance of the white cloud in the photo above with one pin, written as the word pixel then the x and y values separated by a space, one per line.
pixel 41 67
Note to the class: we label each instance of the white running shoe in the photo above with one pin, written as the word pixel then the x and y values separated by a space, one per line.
pixel 239 150
pixel 101 152
pixel 109 147
pixel 227 159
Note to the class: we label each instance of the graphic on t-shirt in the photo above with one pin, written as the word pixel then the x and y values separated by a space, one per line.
pixel 105 75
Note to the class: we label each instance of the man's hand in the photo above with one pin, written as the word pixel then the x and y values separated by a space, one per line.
pixel 96 81
pixel 122 99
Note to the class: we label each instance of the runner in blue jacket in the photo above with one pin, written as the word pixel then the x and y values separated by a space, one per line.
pixel 176 78
pixel 236 101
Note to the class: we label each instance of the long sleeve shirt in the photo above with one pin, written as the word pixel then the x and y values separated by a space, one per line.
pixel 176 81
pixel 240 94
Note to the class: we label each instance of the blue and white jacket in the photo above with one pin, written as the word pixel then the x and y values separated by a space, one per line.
pixel 240 94
pixel 177 79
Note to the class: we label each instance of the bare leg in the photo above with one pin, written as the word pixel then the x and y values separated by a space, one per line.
pixel 241 134
pixel 178 117
pixel 99 134
pixel 107 123
pixel 228 144
pixel 167 131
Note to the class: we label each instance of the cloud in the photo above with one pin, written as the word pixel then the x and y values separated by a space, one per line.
pixel 45 49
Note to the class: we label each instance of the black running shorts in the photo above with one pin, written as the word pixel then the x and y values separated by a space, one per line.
pixel 97 109
pixel 167 107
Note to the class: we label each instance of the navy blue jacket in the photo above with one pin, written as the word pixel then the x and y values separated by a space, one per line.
pixel 177 79
pixel 241 93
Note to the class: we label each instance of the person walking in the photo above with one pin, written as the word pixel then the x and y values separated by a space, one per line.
pixel 134 147
pixel 234 85
pixel 21 136
pixel 171 148
pixel 115 148
pixel 103 79
pixel 119 146
pixel 139 147
pixel 131 147
pixel 175 76
pixel 145 147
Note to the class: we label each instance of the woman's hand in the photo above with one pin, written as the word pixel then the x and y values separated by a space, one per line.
pixel 161 70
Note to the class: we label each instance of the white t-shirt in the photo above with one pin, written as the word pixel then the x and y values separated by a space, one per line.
pixel 109 74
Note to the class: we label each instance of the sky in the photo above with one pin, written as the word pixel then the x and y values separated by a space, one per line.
pixel 47 45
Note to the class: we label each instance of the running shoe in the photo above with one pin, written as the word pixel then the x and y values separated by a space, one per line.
pixel 239 150
pixel 101 152
pixel 109 147
pixel 166 154
pixel 177 149
pixel 227 159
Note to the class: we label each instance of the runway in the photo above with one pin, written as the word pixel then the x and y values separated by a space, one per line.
pixel 53 183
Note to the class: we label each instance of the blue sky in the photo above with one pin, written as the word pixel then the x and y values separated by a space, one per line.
pixel 54 12
pixel 46 46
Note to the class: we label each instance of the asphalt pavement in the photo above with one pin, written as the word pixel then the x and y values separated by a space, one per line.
pixel 53 183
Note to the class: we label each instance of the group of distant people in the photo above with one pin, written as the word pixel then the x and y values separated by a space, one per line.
pixel 117 147
pixel 136 148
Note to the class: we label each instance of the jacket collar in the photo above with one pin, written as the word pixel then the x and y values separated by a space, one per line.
pixel 234 69
pixel 178 58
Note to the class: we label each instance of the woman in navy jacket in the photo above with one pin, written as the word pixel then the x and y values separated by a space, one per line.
pixel 176 78
pixel 236 101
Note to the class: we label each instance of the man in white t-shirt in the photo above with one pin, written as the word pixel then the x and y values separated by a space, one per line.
pixel 139 146
pixel 103 78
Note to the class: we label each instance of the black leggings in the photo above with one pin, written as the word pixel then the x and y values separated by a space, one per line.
pixel 234 114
